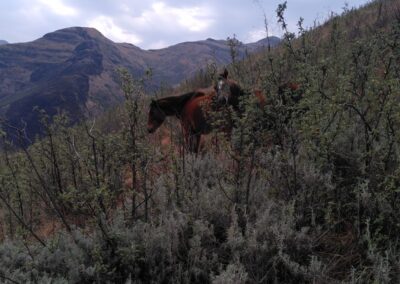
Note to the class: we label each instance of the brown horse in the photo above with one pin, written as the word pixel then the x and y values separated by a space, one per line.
pixel 194 109
pixel 191 109
pixel 229 92
pixel 169 106
pixel 195 119
pixel 280 111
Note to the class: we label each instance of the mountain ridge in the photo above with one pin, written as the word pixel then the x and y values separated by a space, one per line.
pixel 74 70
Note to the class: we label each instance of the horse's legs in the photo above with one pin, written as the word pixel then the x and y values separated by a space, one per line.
pixel 194 142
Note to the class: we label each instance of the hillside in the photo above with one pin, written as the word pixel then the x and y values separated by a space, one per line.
pixel 302 187
pixel 3 42
pixel 74 70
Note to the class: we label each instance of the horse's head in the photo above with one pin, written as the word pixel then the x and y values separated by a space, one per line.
pixel 156 117
pixel 228 91
pixel 222 88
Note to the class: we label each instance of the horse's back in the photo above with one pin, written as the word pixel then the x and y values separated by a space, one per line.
pixel 210 91
pixel 195 112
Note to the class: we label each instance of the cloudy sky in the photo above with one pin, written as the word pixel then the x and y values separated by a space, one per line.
pixel 159 23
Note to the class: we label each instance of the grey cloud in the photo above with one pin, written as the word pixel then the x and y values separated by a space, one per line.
pixel 243 18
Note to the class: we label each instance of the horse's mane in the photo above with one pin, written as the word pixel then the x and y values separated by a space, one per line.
pixel 183 99
pixel 174 105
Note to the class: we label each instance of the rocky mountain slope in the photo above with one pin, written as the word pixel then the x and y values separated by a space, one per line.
pixel 74 70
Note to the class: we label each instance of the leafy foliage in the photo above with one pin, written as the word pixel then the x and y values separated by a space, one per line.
pixel 303 190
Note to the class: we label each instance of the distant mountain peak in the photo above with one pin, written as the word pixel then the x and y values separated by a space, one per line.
pixel 262 43
pixel 73 34
pixel 3 42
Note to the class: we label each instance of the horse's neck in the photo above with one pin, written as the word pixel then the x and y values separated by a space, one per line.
pixel 183 99
pixel 167 107
pixel 174 105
